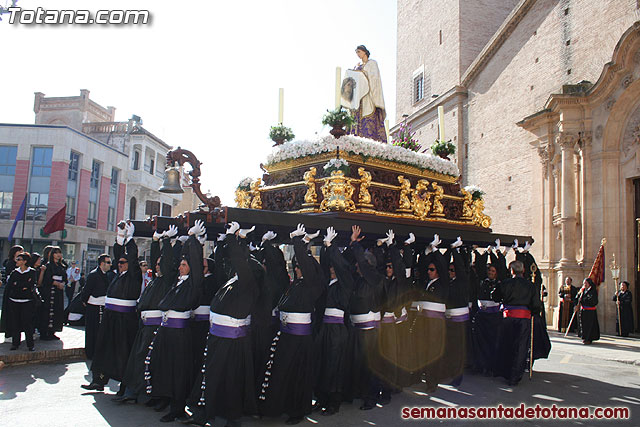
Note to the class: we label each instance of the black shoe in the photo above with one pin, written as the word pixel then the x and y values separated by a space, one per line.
pixel 168 418
pixel 14 347
pixel 125 399
pixel 31 349
pixel 193 420
pixel 54 337
pixel 431 387
pixel 93 386
pixel 329 411
pixel 293 420
pixel 366 407
pixel 161 406
pixel 512 383
pixel 316 406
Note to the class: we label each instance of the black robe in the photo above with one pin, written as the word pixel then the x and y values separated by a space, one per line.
pixel 96 286
pixel 150 299
pixel 626 313
pixel 21 316
pixel 118 329
pixel 515 336
pixel 288 381
pixel 9 266
pixel 171 360
pixel 225 383
pixel 456 325
pixel 589 326
pixel 330 344
pixel 52 311
pixel 428 334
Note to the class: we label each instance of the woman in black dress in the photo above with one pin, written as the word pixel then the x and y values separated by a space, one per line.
pixel 21 291
pixel 52 282
pixel 9 265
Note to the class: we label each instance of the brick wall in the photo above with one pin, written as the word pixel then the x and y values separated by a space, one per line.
pixel 83 198
pixel 20 184
pixel 57 187
pixel 103 202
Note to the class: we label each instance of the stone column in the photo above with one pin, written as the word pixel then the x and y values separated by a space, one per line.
pixel 568 199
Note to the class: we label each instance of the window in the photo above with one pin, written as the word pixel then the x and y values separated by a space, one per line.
pixel 136 160
pixel 8 160
pixel 418 88
pixel 94 190
pixel 113 199
pixel 39 183
pixel 152 208
pixel 74 166
pixel 166 209
pixel 7 173
pixel 149 161
pixel 72 187
pixel 41 165
pixel 95 174
pixel 132 208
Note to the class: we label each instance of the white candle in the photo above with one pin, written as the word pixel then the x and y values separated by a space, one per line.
pixel 386 127
pixel 281 106
pixel 441 122
pixel 338 86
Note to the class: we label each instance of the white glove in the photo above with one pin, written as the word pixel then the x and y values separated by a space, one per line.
pixel 497 243
pixel 489 248
pixel 390 237
pixel 221 237
pixel 129 230
pixel 244 231
pixel 183 239
pixel 428 249
pixel 457 243
pixel 121 232
pixel 171 232
pixel 269 235
pixel 436 241
pixel 198 228
pixel 252 248
pixel 515 244
pixel 309 237
pixel 381 241
pixel 331 234
pixel 157 236
pixel 527 246
pixel 202 238
pixel 411 239
pixel 232 227
pixel 298 231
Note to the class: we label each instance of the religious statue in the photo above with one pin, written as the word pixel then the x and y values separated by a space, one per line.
pixel 364 197
pixel 370 114
pixel 405 191
pixel 310 197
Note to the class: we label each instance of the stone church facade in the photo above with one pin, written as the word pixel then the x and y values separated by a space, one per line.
pixel 542 99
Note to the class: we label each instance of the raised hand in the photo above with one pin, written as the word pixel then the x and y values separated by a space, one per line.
pixel 299 231
pixel 232 227
pixel 331 234
pixel 309 237
pixel 355 233
pixel 411 239
pixel 244 231
pixel 171 232
pixel 269 235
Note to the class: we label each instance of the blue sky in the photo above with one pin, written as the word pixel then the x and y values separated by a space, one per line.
pixel 203 75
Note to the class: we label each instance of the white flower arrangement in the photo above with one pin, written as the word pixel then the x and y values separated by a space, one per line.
pixel 336 164
pixel 475 191
pixel 245 184
pixel 364 147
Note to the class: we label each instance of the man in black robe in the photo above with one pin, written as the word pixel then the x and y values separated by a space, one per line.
pixel 568 294
pixel 93 297
pixel 120 321
pixel 587 301
pixel 623 301
pixel 519 300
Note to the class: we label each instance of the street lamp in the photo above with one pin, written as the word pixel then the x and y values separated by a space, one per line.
pixel 615 273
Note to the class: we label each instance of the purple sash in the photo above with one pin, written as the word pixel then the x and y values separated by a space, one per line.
pixel 369 324
pixel 152 321
pixel 332 319
pixel 233 332
pixel 172 322
pixel 201 317
pixel 296 328
pixel 494 309
pixel 120 308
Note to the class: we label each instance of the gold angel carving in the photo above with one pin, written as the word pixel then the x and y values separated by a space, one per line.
pixel 405 191
pixel 364 197
pixel 310 197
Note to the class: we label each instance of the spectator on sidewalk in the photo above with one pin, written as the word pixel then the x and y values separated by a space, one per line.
pixel 73 275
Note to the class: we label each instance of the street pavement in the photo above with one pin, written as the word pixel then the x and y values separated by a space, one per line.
pixel 606 373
